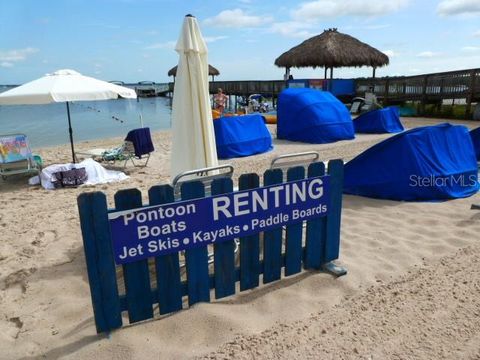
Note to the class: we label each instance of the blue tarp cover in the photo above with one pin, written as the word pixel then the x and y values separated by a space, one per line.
pixel 242 135
pixel 475 134
pixel 312 116
pixel 427 163
pixel 379 121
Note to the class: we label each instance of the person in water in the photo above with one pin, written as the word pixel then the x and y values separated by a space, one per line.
pixel 220 100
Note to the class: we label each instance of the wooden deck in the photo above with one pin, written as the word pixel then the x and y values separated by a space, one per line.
pixel 249 87
pixel 426 89
pixel 435 88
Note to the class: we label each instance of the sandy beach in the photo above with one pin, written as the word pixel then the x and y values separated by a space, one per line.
pixel 412 290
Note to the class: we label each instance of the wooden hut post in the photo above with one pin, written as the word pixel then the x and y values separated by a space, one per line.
pixel 374 70
pixel 330 83
pixel 287 75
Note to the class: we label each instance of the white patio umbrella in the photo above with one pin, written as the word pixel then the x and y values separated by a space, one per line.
pixel 64 86
pixel 193 144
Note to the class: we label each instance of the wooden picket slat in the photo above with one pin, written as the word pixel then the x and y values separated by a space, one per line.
pixel 136 274
pixel 224 252
pixel 196 259
pixel 332 246
pixel 249 245
pixel 167 267
pixel 315 237
pixel 100 263
pixel 272 240
pixel 293 242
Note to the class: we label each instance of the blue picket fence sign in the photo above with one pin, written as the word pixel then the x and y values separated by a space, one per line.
pixel 159 285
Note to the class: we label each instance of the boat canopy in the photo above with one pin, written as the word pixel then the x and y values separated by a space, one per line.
pixel 312 116
pixel 243 135
pixel 386 120
pixel 428 163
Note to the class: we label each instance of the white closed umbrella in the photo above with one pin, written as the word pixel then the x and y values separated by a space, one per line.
pixel 64 86
pixel 193 144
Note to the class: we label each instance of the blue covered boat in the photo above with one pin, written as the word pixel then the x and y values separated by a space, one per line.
pixel 312 116
pixel 243 135
pixel 381 121
pixel 427 163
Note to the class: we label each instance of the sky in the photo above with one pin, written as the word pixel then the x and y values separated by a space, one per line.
pixel 134 40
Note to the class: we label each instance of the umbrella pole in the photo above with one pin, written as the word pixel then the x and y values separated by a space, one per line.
pixel 70 132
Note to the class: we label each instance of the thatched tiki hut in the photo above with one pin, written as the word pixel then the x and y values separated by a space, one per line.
pixel 332 49
pixel 211 71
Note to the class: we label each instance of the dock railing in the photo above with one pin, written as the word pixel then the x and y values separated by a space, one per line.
pixel 426 89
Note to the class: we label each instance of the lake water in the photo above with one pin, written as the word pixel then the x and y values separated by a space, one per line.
pixel 47 125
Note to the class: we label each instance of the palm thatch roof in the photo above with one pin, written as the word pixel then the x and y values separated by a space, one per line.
pixel 332 49
pixel 211 71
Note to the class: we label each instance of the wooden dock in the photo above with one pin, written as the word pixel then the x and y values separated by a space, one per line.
pixel 435 88
pixel 427 89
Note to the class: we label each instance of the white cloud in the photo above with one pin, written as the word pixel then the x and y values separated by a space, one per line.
pixel 315 10
pixel 6 64
pixel 427 54
pixel 476 34
pixel 390 53
pixel 164 45
pixel 458 7
pixel 12 56
pixel 471 49
pixel 211 39
pixel 237 18
pixel 294 29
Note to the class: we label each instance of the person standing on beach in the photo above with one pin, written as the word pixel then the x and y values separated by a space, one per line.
pixel 220 100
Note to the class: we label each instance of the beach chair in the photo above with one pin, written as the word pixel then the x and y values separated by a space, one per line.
pixel 138 145
pixel 16 156
pixel 284 162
